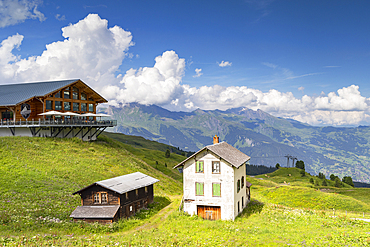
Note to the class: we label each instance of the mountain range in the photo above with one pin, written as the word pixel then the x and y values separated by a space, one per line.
pixel 343 151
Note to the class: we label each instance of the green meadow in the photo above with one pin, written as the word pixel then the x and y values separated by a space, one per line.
pixel 39 175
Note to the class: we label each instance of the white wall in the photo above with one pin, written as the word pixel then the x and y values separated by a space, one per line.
pixel 239 173
pixel 226 178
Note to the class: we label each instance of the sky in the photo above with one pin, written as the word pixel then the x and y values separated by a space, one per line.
pixel 304 60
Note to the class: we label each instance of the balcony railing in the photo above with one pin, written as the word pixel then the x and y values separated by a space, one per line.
pixel 57 122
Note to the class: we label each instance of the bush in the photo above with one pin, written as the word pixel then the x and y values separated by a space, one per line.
pixel 311 181
pixel 167 154
pixel 338 183
pixel 299 164
pixel 303 173
pixel 332 177
pixel 277 166
pixel 321 175
pixel 348 180
pixel 324 183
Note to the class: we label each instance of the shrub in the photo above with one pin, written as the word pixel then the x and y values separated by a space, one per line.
pixel 277 166
pixel 311 181
pixel 303 173
pixel 338 183
pixel 348 180
pixel 324 183
pixel 167 154
pixel 299 164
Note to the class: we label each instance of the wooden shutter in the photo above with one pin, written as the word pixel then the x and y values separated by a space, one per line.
pixel 216 188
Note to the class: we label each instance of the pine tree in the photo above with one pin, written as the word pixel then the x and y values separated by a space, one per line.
pixel 167 154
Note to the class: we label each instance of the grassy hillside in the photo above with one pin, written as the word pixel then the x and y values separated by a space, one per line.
pixel 40 174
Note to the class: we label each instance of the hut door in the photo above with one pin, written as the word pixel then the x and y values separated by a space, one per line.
pixel 209 212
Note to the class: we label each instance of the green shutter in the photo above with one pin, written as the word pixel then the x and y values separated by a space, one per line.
pixel 216 189
pixel 199 189
pixel 201 166
pixel 197 167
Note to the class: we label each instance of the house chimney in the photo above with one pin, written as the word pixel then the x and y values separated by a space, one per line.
pixel 215 139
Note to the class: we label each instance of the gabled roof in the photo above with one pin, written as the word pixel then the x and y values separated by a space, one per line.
pixel 95 212
pixel 125 183
pixel 13 94
pixel 224 151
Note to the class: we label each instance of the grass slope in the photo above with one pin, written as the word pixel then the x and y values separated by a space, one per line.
pixel 39 175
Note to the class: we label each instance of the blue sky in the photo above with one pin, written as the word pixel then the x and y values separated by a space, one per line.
pixel 306 60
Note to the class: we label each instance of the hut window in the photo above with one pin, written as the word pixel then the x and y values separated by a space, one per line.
pixel 126 195
pixel 58 105
pixel 83 107
pixel 76 106
pixel 130 208
pixel 199 167
pixel 57 95
pixel 137 192
pixel 215 166
pixel 104 198
pixel 91 107
pixel 96 198
pixel 146 189
pixel 83 96
pixel 49 105
pixel 67 106
pixel 7 115
pixel 199 189
pixel 216 189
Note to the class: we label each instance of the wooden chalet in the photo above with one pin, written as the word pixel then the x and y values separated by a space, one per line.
pixel 120 197
pixel 49 109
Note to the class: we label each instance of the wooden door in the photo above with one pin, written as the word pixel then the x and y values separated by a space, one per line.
pixel 209 212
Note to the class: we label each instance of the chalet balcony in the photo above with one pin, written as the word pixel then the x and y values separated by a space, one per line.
pixel 58 123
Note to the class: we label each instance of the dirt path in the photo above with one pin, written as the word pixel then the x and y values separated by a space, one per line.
pixel 161 215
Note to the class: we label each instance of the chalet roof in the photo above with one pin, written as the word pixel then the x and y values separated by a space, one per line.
pixel 225 151
pixel 125 183
pixel 13 94
pixel 100 212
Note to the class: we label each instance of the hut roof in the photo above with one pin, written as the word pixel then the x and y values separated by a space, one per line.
pixel 95 212
pixel 125 183
pixel 225 151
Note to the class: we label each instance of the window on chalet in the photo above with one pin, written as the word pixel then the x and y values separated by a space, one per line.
pixel 199 189
pixel 146 189
pixel 238 186
pixel 58 95
pixel 75 93
pixel 216 189
pixel 67 106
pixel 76 106
pixel 83 107
pixel 215 166
pixel 91 107
pixel 7 115
pixel 58 105
pixel 83 96
pixel 199 166
pixel 49 105
pixel 91 99
pixel 137 192
pixel 242 182
pixel 67 93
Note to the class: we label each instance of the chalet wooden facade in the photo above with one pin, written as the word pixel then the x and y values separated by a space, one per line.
pixel 120 197
pixel 214 180
pixel 25 109
pixel 67 95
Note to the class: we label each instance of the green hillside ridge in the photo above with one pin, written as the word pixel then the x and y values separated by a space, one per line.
pixel 39 176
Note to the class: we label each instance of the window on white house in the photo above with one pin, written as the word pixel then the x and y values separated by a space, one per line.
pixel 238 186
pixel 242 182
pixel 199 166
pixel 215 166
pixel 216 189
pixel 199 189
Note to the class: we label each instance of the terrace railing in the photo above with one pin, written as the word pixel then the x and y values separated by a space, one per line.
pixel 57 122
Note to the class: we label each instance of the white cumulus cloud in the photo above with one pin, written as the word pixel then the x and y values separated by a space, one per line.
pixel 198 73
pixel 224 64
pixel 17 11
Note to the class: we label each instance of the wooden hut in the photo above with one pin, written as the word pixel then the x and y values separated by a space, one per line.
pixel 108 200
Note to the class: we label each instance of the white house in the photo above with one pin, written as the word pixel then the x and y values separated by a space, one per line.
pixel 214 182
